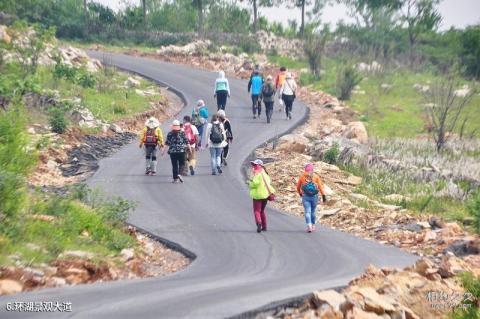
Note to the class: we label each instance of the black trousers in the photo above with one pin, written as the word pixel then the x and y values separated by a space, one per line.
pixel 288 100
pixel 222 99
pixel 269 110
pixel 256 104
pixel 178 160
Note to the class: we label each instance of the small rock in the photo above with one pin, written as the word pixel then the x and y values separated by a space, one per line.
pixel 127 254
pixel 430 235
pixel 293 143
pixel 354 180
pixel 77 254
pixel 116 128
pixel 329 212
pixel 58 281
pixel 330 297
pixel 357 131
pixel 360 197
pixel 131 82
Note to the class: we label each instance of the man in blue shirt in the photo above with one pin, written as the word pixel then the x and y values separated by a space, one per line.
pixel 255 87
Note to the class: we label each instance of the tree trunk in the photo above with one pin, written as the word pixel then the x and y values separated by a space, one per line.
pixel 255 12
pixel 85 17
pixel 302 26
pixel 144 7
pixel 200 17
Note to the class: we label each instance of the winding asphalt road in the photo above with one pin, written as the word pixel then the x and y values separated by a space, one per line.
pixel 236 269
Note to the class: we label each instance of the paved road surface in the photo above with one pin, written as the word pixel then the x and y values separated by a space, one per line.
pixel 236 269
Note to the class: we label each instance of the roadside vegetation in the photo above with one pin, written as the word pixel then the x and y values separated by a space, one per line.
pixel 37 227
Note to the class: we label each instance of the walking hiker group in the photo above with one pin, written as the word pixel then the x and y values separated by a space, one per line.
pixel 199 131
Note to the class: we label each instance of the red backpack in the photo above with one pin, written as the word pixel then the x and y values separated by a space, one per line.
pixel 151 138
pixel 192 138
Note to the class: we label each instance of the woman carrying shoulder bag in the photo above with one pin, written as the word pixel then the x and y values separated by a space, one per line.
pixel 261 191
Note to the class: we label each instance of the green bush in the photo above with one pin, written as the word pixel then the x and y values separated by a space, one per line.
pixel 331 155
pixel 471 298
pixel 57 120
pixel 347 79
pixel 86 80
pixel 474 209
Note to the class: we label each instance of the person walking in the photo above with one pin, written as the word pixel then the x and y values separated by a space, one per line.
pixel 255 86
pixel 279 80
pixel 151 138
pixel 287 92
pixel 268 97
pixel 177 146
pixel 200 118
pixel 215 139
pixel 193 136
pixel 261 191
pixel 229 134
pixel 309 186
pixel 222 91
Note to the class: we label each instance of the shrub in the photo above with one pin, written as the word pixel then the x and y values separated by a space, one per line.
pixel 347 79
pixel 86 80
pixel 57 120
pixel 331 155
pixel 473 207
pixel 314 48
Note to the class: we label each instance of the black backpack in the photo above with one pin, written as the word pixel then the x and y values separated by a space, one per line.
pixel 216 134
pixel 268 90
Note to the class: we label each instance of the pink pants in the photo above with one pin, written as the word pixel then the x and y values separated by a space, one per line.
pixel 259 212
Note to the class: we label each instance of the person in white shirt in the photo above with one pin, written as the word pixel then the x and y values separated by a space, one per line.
pixel 287 92
pixel 222 90
pixel 216 139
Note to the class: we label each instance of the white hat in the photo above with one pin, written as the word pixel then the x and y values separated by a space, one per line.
pixel 221 113
pixel 269 78
pixel 200 103
pixel 152 122
pixel 176 125
pixel 257 162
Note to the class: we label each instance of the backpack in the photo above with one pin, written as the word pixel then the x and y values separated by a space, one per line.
pixel 192 138
pixel 216 134
pixel 310 188
pixel 268 90
pixel 151 138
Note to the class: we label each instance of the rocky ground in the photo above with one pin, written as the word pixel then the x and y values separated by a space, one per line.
pixel 446 248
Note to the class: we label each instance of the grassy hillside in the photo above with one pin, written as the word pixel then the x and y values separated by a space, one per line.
pixel 396 112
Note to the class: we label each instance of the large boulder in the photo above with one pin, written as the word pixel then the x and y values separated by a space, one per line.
pixel 8 287
pixel 356 131
pixel 4 35
pixel 293 143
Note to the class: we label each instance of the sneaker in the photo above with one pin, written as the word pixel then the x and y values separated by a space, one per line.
pixel 192 171
pixel 309 228
pixel 313 227
pixel 214 173
pixel 254 117
pixel 290 115
pixel 264 228
pixel 224 162
pixel 147 173
pixel 153 173
pixel 219 169
pixel 180 178
pixel 259 228
pixel 175 180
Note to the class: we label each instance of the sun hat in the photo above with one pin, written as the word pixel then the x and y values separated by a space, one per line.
pixel 258 162
pixel 269 78
pixel 200 103
pixel 309 167
pixel 176 125
pixel 221 113
pixel 152 122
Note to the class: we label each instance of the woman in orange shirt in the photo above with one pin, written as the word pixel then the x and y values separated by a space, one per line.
pixel 309 186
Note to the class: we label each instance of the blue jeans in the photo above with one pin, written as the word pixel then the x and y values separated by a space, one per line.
pixel 215 157
pixel 310 205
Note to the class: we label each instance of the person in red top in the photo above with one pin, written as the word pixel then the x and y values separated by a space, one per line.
pixel 279 80
pixel 309 186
